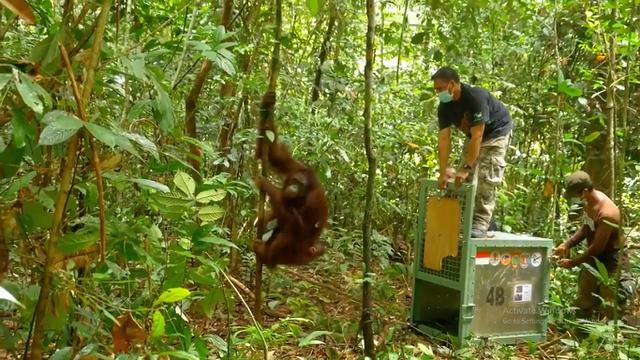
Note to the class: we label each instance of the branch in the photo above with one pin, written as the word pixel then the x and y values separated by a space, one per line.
pixel 95 159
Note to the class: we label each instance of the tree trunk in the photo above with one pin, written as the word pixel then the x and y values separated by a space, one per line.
pixel 66 182
pixel 315 91
pixel 367 316
pixel 191 101
pixel 611 118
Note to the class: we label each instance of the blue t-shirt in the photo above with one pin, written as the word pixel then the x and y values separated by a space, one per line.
pixel 476 106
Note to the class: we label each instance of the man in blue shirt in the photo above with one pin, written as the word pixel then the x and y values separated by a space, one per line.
pixel 487 124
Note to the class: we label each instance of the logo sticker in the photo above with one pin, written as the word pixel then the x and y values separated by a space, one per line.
pixel 515 260
pixel 536 259
pixel 505 259
pixel 524 260
pixel 495 258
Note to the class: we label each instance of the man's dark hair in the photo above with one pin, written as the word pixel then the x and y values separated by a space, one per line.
pixel 447 74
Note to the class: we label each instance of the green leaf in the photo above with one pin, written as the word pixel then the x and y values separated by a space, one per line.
pixel 125 144
pixel 208 196
pixel 185 183
pixel 172 199
pixel 158 325
pixel 62 354
pixel 21 129
pixel 567 88
pixel 180 355
pixel 310 339
pixel 152 184
pixel 211 213
pixel 32 94
pixel 218 241
pixel 172 295
pixel 59 130
pixel 582 101
pixel 74 242
pixel 2 145
pixel 146 144
pixel 35 215
pixel 314 7
pixel 591 137
pixel 165 109
pixel 103 134
pixel 4 79
pixel 6 295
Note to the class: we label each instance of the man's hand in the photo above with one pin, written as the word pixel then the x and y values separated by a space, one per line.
pixel 561 251
pixel 566 263
pixel 461 176
pixel 442 181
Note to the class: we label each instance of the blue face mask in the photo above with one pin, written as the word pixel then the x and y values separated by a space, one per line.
pixel 445 97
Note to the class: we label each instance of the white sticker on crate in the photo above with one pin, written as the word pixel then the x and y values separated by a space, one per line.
pixel 522 292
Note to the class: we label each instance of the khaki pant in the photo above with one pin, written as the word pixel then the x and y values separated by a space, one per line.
pixel 487 175
pixel 590 290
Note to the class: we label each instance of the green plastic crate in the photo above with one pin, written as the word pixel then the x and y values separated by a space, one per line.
pixel 495 289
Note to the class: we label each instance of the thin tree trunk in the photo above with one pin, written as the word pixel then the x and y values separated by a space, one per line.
pixel 322 57
pixel 404 26
pixel 66 181
pixel 274 70
pixel 611 118
pixel 367 316
pixel 191 103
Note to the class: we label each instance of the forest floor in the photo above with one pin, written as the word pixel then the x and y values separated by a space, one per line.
pixel 331 300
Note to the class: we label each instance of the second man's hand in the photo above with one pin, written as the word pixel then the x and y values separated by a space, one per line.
pixel 461 176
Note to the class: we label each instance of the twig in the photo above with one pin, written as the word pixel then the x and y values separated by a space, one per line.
pixel 249 293
pixel 95 159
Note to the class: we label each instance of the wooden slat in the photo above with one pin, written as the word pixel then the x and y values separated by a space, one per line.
pixel 443 217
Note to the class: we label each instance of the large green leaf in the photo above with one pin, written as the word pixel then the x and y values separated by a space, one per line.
pixel 6 295
pixel 185 183
pixel 591 137
pixel 74 242
pixel 180 355
pixel 4 80
pixel 208 196
pixel 172 200
pixel 172 295
pixel 62 354
pixel 158 325
pixel 103 134
pixel 211 213
pixel 62 128
pixel 152 184
pixel 146 144
pixel 32 94
pixel 567 88
pixel 165 108
pixel 310 339
pixel 314 6
pixel 22 130
pixel 35 215
pixel 218 241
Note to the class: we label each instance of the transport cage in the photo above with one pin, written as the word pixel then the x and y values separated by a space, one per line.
pixel 474 289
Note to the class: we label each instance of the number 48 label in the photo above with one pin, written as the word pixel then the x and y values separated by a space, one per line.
pixel 495 296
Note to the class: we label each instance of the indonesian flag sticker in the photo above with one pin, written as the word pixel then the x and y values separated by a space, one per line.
pixel 482 257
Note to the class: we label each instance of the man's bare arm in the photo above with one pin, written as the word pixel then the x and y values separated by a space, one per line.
pixel 444 148
pixel 474 145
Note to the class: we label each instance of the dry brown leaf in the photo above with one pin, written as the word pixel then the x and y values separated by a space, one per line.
pixel 126 333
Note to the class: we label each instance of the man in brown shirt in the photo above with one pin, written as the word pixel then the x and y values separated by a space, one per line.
pixel 601 225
